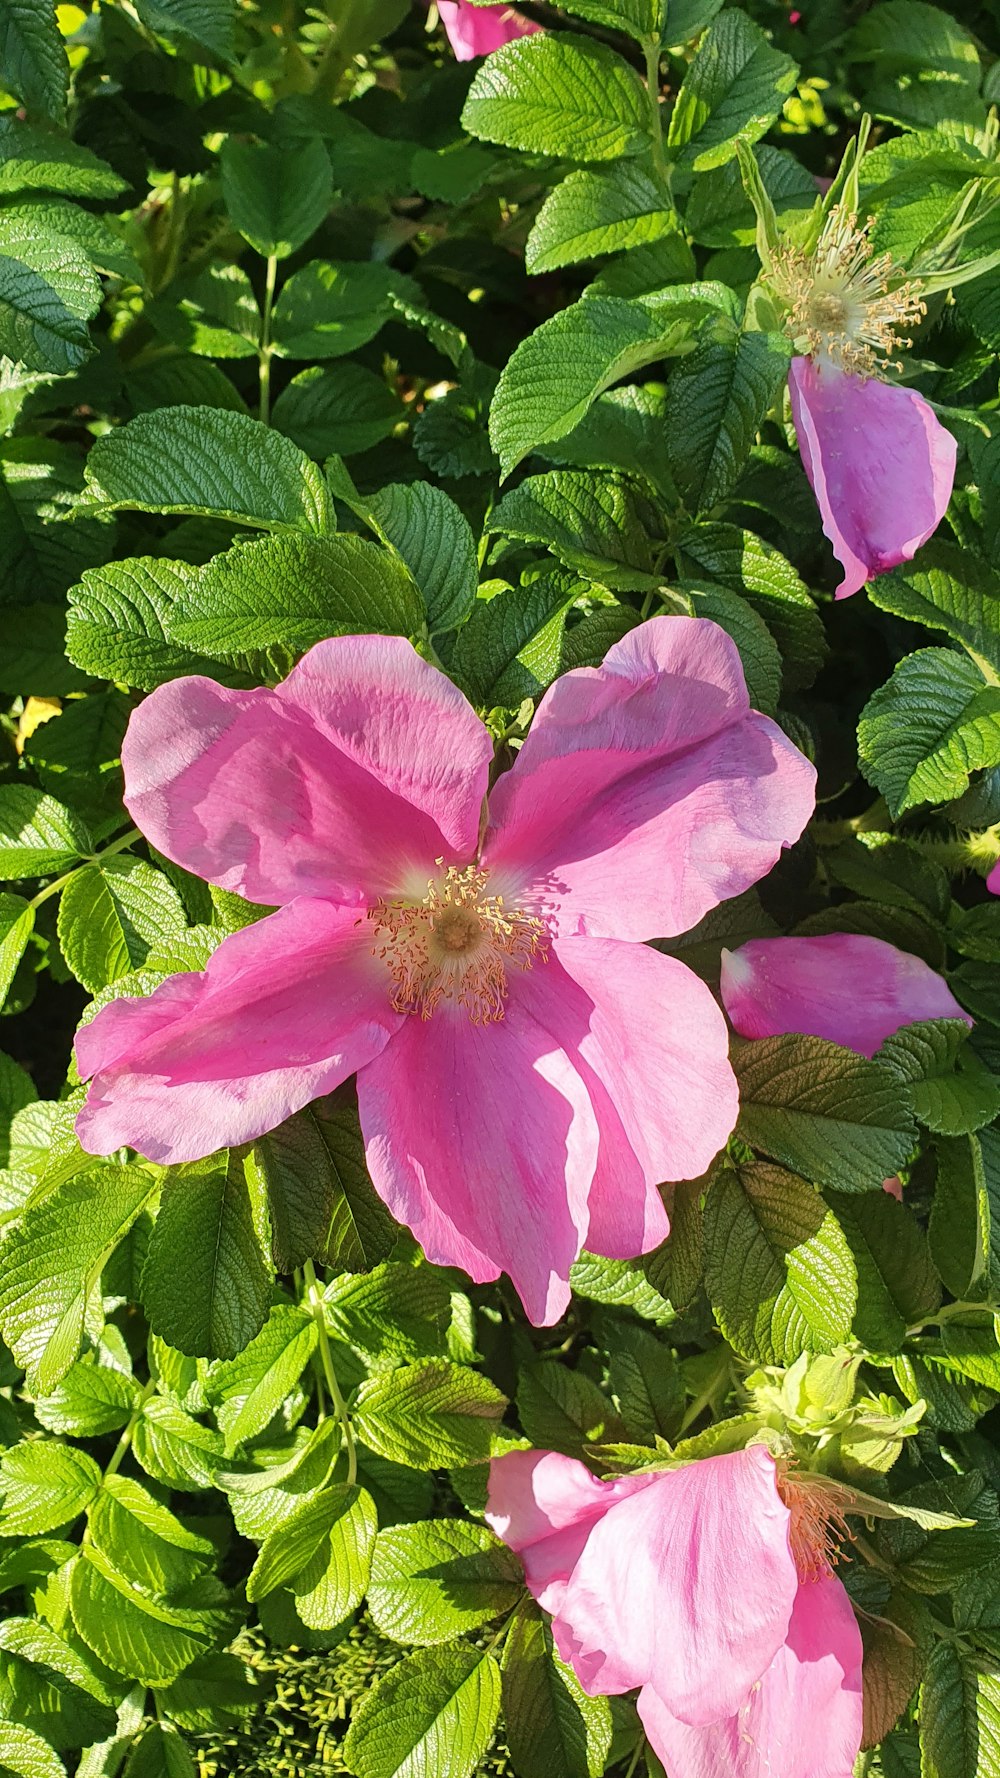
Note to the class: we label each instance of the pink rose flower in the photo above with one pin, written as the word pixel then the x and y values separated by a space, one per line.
pixel 528 1068
pixel 880 464
pixel 478 30
pixel 709 1587
pixel 842 986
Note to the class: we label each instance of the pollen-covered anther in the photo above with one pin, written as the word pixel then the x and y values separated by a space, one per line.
pixel 458 944
pixel 818 1526
pixel 844 304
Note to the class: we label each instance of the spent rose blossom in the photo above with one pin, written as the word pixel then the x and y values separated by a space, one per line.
pixel 479 30
pixel 528 1068
pixel 842 986
pixel 879 461
pixel 710 1588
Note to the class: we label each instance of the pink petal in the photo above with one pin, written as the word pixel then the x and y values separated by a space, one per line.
pixel 852 990
pixel 544 1506
pixel 657 1043
pixel 880 463
pixel 285 1010
pixel 803 1720
pixel 483 1141
pixel 688 1586
pixel 478 30
pixel 647 791
pixel 894 1187
pixel 365 765
pixel 993 880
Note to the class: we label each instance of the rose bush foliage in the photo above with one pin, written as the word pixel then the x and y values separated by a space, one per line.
pixel 500 672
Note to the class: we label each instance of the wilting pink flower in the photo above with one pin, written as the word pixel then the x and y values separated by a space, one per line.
pixel 852 990
pixel 528 1069
pixel 478 30
pixel 711 1588
pixel 880 463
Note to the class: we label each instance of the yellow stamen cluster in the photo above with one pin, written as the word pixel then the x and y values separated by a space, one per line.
pixel 456 944
pixel 818 1526
pixel 845 305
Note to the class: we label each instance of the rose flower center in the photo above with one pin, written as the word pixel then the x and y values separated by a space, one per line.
pixel 845 304
pixel 458 944
pixel 818 1526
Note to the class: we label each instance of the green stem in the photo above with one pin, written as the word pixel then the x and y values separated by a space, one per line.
pixel 125 1441
pixel 652 49
pixel 314 1297
pixel 53 888
pixel 266 349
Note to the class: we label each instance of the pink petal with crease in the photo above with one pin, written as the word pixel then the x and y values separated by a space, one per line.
pixel 479 30
pixel 687 1586
pixel 483 1140
pixel 285 1010
pixel 658 1044
pixel 647 791
pixel 880 463
pixel 364 766
pixel 844 987
pixel 803 1720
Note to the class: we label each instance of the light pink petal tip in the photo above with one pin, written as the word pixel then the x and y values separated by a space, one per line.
pixel 365 765
pixel 880 463
pixel 687 1586
pixel 479 30
pixel 647 790
pixel 845 987
pixel 804 1718
pixel 285 1011
pixel 545 1506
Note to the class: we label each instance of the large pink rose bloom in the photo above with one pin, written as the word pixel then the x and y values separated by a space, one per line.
pixel 880 464
pixel 842 986
pixel 479 30
pixel 710 1588
pixel 528 1069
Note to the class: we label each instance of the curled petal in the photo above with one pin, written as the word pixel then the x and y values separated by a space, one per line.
pixel 479 30
pixel 647 790
pixel 285 1010
pixel 880 463
pixel 803 1720
pixel 688 1586
pixel 544 1506
pixel 359 771
pixel 845 987
pixel 483 1140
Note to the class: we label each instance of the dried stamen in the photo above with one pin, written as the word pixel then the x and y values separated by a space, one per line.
pixel 818 1526
pixel 843 304
pixel 456 944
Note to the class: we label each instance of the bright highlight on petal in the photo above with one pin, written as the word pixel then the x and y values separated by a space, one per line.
pixel 479 30
pixel 880 464
pixel 474 973
pixel 844 987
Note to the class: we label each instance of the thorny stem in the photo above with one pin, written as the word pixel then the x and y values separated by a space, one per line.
pixel 266 349
pixel 314 1297
pixel 652 49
